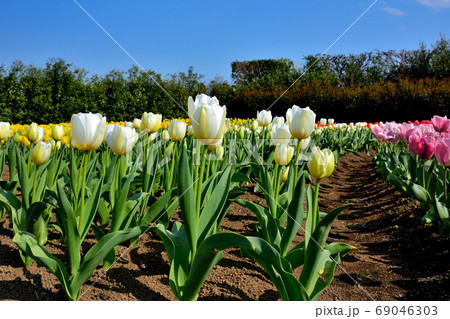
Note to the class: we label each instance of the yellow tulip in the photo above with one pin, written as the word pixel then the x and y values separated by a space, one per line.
pixel 321 163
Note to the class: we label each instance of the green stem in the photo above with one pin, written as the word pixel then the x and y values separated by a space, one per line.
pixel 34 185
pixel 423 174
pixel 200 182
pixel 445 185
pixel 208 167
pixel 83 186
pixel 174 152
pixel 29 160
pixel 297 153
pixel 277 185
pixel 315 212
pixel 263 139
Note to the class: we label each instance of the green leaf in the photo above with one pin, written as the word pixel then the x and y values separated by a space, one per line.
pixel 295 217
pixel 187 198
pixel 178 251
pixel 211 211
pixel 156 209
pixel 28 244
pixel 98 252
pixel 315 256
pixel 206 257
pixel 90 209
pixel 268 224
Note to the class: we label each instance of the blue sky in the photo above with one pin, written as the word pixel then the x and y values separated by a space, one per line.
pixel 169 36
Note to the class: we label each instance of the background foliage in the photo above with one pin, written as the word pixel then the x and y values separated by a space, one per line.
pixel 374 86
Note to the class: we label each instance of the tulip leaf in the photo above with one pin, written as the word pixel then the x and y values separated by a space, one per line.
pixel 315 254
pixel 268 224
pixel 257 248
pixel 28 244
pixel 211 211
pixel 178 251
pixel 98 252
pixel 187 198
pixel 90 209
pixel 295 217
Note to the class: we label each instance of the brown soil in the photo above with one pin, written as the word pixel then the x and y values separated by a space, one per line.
pixel 397 258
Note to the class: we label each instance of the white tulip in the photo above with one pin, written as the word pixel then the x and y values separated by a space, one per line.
pixel 128 124
pixel 280 134
pixel 41 153
pixel 121 139
pixel 301 121
pixel 136 124
pixel 323 122
pixel 150 122
pixel 264 117
pixel 57 132
pixel 207 118
pixel 35 134
pixel 108 129
pixel 283 154
pixel 278 120
pixel 5 129
pixel 87 131
pixel 331 121
pixel 177 130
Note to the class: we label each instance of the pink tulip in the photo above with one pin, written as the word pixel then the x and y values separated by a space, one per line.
pixel 421 145
pixel 442 151
pixel 376 132
pixel 440 124
pixel 406 129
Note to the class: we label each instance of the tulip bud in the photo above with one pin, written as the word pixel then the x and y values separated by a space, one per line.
pixel 5 129
pixel 190 130
pixel 207 118
pixel 165 135
pixel 301 121
pixel 331 121
pixel 35 134
pixel 177 130
pixel 283 154
pixel 285 175
pixel 16 137
pixel 254 125
pixel 150 122
pixel 57 132
pixel 323 122
pixel 87 131
pixel 242 132
pixel 136 124
pixel 121 139
pixel 41 153
pixel 278 120
pixel 280 134
pixel 321 164
pixel 264 117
